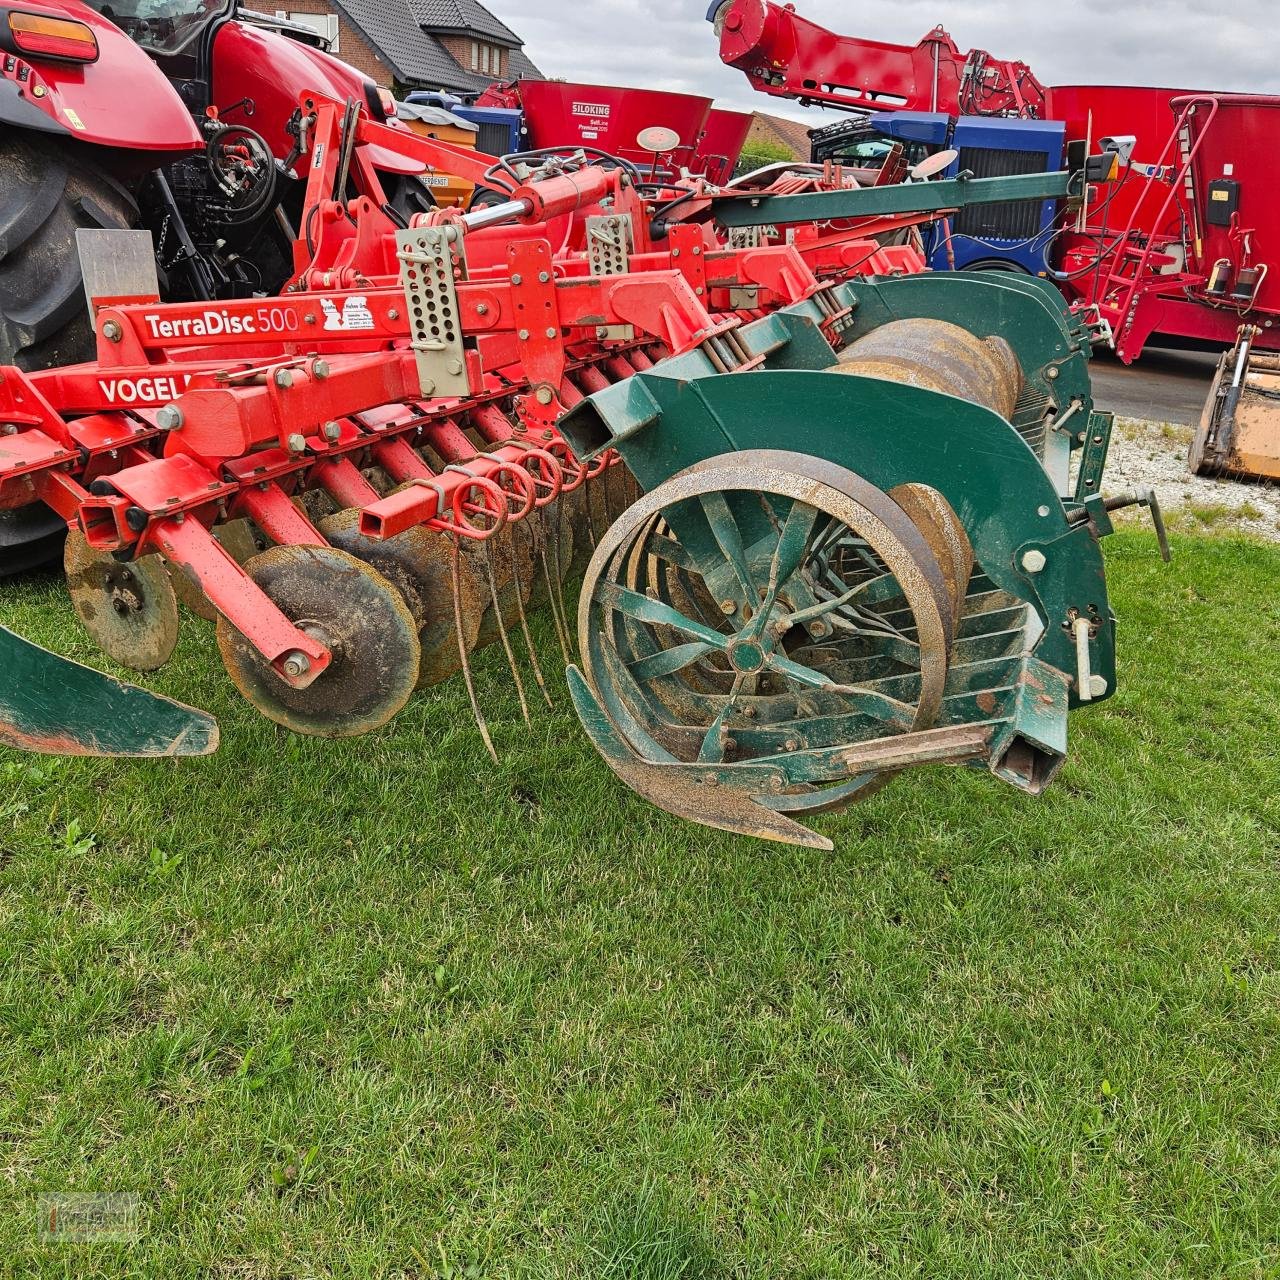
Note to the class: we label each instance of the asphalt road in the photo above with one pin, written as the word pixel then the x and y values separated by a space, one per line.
pixel 1164 386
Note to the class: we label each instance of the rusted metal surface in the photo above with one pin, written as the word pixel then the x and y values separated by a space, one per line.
pixel 129 608
pixel 361 620
pixel 738 625
pixel 939 356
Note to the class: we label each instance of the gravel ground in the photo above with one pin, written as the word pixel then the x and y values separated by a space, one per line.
pixel 1155 453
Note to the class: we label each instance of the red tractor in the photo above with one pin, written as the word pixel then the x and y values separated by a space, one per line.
pixel 178 116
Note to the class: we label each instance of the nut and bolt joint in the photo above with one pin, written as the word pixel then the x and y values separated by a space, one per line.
pixel 332 431
pixel 296 442
pixel 112 331
pixel 169 417
pixel 320 369
pixel 284 378
pixel 296 663
pixel 1034 561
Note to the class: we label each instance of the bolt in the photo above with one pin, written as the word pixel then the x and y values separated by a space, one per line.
pixel 455 365
pixel 169 418
pixel 38 91
pixel 284 379
pixel 309 318
pixel 296 442
pixel 698 291
pixel 1033 561
pixel 428 387
pixel 551 333
pixel 524 335
pixel 543 395
pixel 819 629
pixel 543 277
pixel 517 279
pixel 697 249
pixel 1097 686
pixel 1052 373
pixel 482 308
pixel 791 745
pixel 112 331
pixel 393 314
pixel 331 431
pixel 296 663
pixel 320 369
pixel 729 606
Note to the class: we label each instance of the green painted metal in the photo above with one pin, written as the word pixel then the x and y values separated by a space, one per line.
pixel 1096 442
pixel 52 705
pixel 890 434
pixel 1013 674
pixel 874 202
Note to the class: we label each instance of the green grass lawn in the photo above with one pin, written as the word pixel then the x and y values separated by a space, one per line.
pixel 379 1007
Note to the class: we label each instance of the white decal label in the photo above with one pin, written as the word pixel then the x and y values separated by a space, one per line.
pixel 355 314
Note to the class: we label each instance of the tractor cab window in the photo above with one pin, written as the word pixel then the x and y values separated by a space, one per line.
pixel 162 26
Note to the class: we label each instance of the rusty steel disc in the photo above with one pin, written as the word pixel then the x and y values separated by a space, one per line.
pixel 352 609
pixel 419 564
pixel 128 607
pixel 933 515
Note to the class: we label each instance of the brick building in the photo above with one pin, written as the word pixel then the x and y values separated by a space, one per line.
pixel 776 131
pixel 456 45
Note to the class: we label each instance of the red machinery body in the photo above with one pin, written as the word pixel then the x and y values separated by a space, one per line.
pixel 788 56
pixel 121 99
pixel 1183 246
pixel 722 141
pixel 1196 256
pixel 608 119
pixel 1092 112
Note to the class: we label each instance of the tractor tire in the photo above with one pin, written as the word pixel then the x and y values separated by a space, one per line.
pixel 46 193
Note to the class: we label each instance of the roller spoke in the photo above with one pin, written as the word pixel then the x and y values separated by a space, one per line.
pixel 724 529
pixel 642 609
pixel 666 662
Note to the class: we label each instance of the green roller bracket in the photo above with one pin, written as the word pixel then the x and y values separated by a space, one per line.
pixel 54 706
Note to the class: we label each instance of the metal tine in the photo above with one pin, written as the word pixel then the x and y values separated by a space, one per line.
pixel 502 628
pixel 555 595
pixel 481 723
pixel 520 613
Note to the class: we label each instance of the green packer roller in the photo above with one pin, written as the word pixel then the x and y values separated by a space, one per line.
pixel 853 558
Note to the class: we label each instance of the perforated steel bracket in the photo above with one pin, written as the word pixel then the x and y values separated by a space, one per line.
pixel 746 237
pixel 610 242
pixel 430 264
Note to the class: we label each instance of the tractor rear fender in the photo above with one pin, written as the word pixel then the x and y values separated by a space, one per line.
pixel 120 100
pixel 671 417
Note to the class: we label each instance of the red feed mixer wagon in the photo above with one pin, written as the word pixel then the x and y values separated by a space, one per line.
pixel 1181 247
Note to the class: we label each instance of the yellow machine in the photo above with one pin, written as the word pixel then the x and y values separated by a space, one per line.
pixel 1239 432
pixel 436 122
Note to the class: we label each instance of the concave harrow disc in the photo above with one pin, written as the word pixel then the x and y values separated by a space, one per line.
pixel 749 623
pixel 128 607
pixel 358 614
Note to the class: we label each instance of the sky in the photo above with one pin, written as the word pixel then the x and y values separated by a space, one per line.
pixel 667 44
